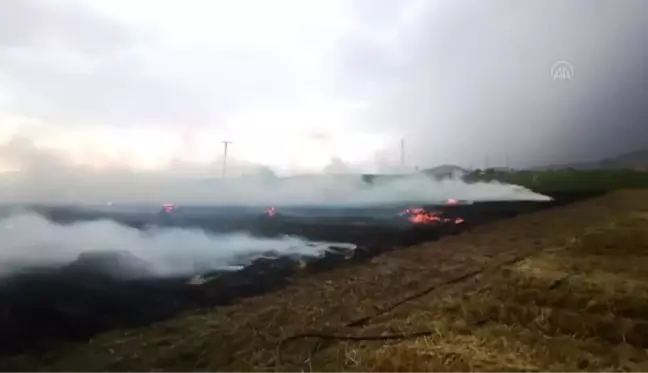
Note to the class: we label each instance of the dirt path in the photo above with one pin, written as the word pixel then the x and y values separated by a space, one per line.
pixel 561 289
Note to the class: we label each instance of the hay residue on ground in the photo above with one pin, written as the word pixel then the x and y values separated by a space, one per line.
pixel 563 289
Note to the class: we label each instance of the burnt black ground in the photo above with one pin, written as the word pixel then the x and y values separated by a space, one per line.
pixel 78 301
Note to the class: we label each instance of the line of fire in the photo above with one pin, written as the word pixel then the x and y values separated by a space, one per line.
pixel 416 215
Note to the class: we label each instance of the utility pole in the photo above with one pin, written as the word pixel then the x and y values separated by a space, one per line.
pixel 225 144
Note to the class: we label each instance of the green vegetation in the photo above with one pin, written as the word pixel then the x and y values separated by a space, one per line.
pixel 569 180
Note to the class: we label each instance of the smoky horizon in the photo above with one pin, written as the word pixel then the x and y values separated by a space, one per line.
pixel 103 96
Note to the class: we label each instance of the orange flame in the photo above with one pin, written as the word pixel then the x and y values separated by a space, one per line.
pixel 423 218
pixel 452 201
pixel 271 211
pixel 419 215
pixel 168 207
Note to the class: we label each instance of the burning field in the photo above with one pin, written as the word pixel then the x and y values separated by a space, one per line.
pixel 558 290
pixel 127 270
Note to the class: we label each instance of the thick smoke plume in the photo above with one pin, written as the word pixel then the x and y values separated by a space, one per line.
pixel 46 176
pixel 29 240
pixel 313 190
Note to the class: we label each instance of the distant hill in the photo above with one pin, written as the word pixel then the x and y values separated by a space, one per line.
pixel 637 160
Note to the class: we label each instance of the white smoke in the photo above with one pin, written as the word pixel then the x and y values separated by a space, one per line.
pixel 352 190
pixel 27 239
pixel 31 240
pixel 48 177
pixel 316 189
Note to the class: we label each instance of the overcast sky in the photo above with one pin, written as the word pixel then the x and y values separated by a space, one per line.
pixel 311 85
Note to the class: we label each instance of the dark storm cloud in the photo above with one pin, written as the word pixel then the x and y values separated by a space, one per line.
pixel 478 82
